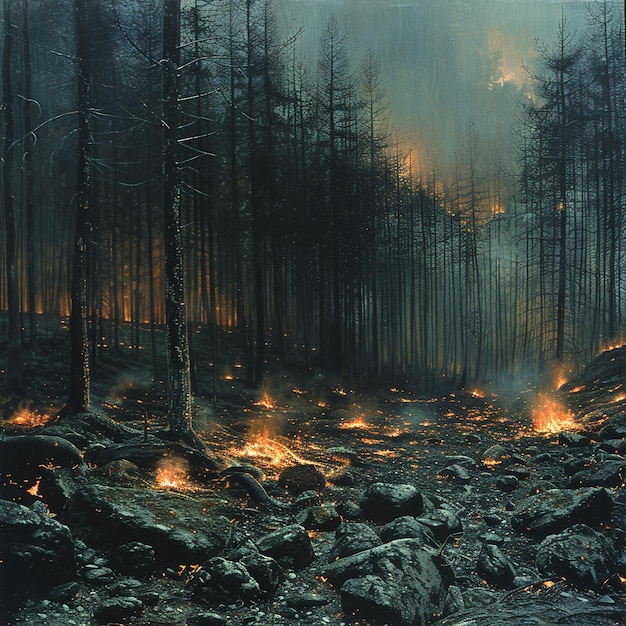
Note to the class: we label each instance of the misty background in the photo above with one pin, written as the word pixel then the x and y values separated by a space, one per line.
pixel 444 63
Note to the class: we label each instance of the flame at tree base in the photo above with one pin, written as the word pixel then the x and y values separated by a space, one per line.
pixel 173 473
pixel 549 415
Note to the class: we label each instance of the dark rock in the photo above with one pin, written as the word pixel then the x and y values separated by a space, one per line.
pixel 579 554
pixel 64 594
pixel 149 598
pixel 226 581
pixel 290 546
pixel 349 510
pixel 492 538
pixel 612 430
pixel 406 527
pixel 573 440
pixel 613 446
pixel 97 575
pixel 442 522
pixel 396 583
pixel 343 454
pixel 36 553
pixel 455 472
pixel 302 601
pixel 322 518
pixel 118 610
pixel 556 509
pixel 495 455
pixel 494 567
pixel 383 502
pixel 303 477
pixel 544 457
pixel 479 596
pixel 507 483
pixel 206 619
pixel 521 472
pixel 24 459
pixel 454 600
pixel 473 438
pixel 179 529
pixel 134 558
pixel 305 500
pixel 342 477
pixel 351 538
pixel 264 569
pixel 609 473
pixel 574 464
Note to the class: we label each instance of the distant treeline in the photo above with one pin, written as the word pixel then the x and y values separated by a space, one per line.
pixel 309 230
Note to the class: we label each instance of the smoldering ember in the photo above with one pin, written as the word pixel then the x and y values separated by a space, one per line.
pixel 298 333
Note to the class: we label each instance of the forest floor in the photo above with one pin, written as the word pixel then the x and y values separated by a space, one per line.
pixel 391 435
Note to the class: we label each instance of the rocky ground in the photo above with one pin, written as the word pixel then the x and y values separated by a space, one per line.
pixel 376 508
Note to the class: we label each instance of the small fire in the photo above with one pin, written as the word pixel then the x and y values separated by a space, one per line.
pixel 265 401
pixel 172 473
pixel 578 389
pixel 550 416
pixel 477 393
pixel 25 418
pixel 358 423
pixel 34 490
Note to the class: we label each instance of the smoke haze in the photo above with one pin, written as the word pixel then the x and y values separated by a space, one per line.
pixel 444 62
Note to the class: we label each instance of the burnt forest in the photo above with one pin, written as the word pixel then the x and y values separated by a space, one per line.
pixel 312 312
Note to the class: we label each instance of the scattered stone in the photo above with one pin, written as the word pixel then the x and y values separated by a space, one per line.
pixel 406 527
pixel 306 499
pixel 507 483
pixel 495 455
pixel 179 529
pixel 383 502
pixel 556 509
pixel 302 477
pixel 442 522
pixel 613 446
pixel 206 619
pixel 609 473
pixel 321 518
pixel 97 575
pixel 302 601
pixel 521 472
pixel 494 567
pixel 491 538
pixel 349 510
pixel 351 538
pixel 226 581
pixel 63 594
pixel 479 596
pixel 264 569
pixel 396 583
pixel 473 438
pixel 573 440
pixel 118 610
pixel 455 472
pixel 580 555
pixel 290 546
pixel 454 600
pixel 342 477
pixel 134 558
pixel 36 553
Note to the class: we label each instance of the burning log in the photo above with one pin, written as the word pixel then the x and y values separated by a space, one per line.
pixel 148 455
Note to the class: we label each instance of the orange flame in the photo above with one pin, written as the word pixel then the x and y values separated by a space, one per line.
pixel 25 418
pixel 172 473
pixel 549 415
pixel 265 401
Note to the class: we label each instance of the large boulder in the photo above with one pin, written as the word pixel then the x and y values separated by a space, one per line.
pixel 179 528
pixel 351 538
pixel 580 555
pixel 398 583
pixel 36 553
pixel 290 546
pixel 556 509
pixel 383 502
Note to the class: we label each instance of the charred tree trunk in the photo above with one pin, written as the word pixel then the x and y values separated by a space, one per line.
pixel 14 376
pixel 79 396
pixel 177 340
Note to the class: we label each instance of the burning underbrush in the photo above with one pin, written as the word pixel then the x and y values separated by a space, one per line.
pixel 550 415
pixel 25 418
